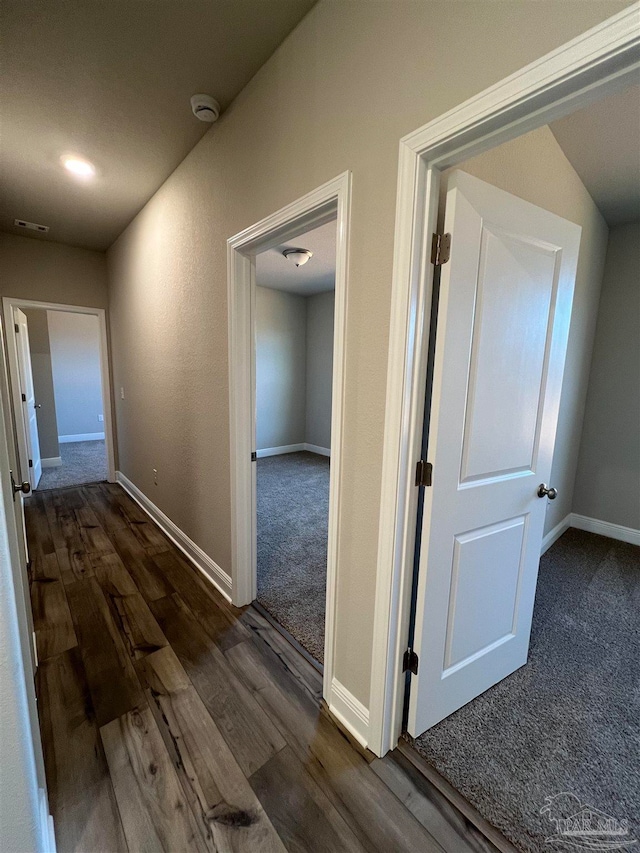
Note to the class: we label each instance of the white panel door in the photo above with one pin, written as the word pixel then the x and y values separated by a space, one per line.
pixel 503 323
pixel 28 397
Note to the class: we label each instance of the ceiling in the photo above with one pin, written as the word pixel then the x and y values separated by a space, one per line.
pixel 602 143
pixel 316 276
pixel 110 81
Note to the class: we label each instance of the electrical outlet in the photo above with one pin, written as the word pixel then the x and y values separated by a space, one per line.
pixel 122 393
pixel 155 476
pixel 101 418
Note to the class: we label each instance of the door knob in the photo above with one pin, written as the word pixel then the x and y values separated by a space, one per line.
pixel 544 492
pixel 25 487
pixel 37 405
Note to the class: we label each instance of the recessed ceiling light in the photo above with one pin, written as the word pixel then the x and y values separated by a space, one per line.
pixel 298 256
pixel 79 168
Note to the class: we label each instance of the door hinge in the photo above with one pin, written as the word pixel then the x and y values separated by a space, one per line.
pixel 24 398
pixel 424 473
pixel 440 249
pixel 16 327
pixel 254 456
pixel 31 463
pixel 410 662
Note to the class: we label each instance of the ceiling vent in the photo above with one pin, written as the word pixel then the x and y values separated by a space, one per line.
pixel 32 226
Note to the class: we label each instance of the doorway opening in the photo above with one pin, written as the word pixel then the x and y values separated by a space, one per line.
pixel 60 393
pixel 286 403
pixel 582 626
pixel 481 725
pixel 295 304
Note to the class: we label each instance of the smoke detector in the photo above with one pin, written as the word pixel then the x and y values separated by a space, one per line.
pixel 205 108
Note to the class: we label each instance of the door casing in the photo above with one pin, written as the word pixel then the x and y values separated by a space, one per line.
pixel 9 303
pixel 29 417
pixel 597 63
pixel 329 202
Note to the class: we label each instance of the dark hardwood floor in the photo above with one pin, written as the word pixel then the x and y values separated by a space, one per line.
pixel 173 721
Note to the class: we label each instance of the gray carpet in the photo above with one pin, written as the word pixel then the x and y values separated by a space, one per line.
pixel 293 514
pixel 568 721
pixel 82 462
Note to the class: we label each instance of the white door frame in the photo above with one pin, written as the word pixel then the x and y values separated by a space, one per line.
pixel 328 202
pixel 9 303
pixel 597 63
pixel 20 713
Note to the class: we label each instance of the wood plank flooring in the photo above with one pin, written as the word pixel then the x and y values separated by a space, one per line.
pixel 173 721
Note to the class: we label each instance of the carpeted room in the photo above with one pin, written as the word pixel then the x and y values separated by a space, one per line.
pixel 295 305
pixel 562 732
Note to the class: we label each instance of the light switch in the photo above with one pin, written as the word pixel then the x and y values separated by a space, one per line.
pixel 122 393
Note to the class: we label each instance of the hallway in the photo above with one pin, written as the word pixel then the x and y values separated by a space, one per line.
pixel 173 721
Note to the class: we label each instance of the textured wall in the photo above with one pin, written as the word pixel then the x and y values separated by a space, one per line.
pixel 365 74
pixel 51 272
pixel 535 168
pixel 40 349
pixel 75 361
pixel 281 352
pixel 294 368
pixel 608 477
pixel 320 310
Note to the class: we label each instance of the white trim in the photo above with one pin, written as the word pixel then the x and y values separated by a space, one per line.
pixel 601 61
pixel 81 436
pixel 51 462
pixel 52 835
pixel 9 303
pixel 605 528
pixel 329 202
pixel 279 451
pixel 555 534
pixel 293 448
pixel 315 448
pixel 353 715
pixel 47 833
pixel 211 570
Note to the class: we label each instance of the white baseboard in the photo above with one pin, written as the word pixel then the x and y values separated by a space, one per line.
pixel 51 462
pixel 555 534
pixel 349 711
pixel 211 570
pixel 321 451
pixel 292 448
pixel 81 436
pixel 47 834
pixel 605 528
pixel 278 451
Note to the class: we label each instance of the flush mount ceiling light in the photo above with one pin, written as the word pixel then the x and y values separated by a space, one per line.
pixel 298 256
pixel 79 168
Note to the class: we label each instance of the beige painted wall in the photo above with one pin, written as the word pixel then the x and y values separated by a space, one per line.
pixel 294 368
pixel 320 311
pixel 40 348
pixel 362 74
pixel 535 168
pixel 77 380
pixel 608 478
pixel 281 359
pixel 50 272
